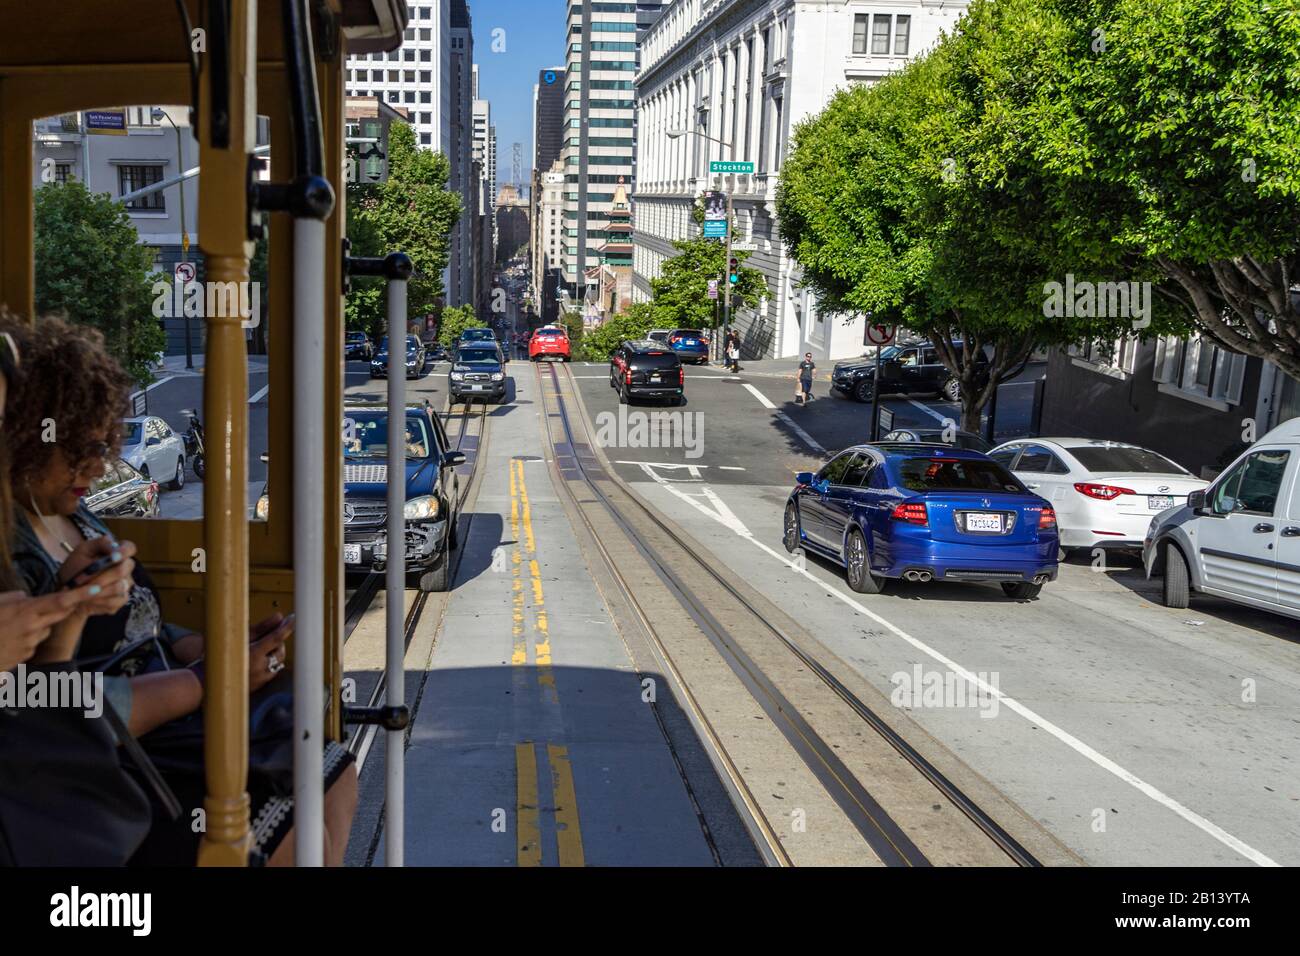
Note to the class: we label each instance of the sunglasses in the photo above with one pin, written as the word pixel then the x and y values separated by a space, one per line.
pixel 89 454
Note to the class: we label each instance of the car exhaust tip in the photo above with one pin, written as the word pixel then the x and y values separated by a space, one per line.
pixel 924 576
pixel 910 575
pixel 1040 578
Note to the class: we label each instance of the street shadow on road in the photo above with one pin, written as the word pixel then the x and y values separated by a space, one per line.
pixel 965 592
pixel 468 727
pixel 480 535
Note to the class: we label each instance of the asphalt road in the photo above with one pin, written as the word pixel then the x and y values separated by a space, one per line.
pixel 1138 735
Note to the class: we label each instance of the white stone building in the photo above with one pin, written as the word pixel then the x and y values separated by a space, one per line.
pixel 745 72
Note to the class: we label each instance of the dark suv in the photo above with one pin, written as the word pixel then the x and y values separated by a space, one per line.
pixel 432 493
pixel 904 370
pixel 645 369
pixel 477 372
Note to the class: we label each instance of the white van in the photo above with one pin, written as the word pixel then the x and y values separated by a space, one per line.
pixel 1240 538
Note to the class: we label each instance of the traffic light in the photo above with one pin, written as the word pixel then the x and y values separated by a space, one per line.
pixel 733 271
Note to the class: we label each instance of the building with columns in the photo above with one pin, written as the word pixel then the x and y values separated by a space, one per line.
pixel 744 72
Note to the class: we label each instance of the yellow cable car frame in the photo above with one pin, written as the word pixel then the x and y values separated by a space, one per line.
pixel 93 55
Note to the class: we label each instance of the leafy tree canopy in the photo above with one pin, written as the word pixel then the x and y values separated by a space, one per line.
pixel 91 266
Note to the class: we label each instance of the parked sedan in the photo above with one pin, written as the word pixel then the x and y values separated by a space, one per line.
pixel 922 513
pixel 1105 493
pixel 151 447
pixel 123 493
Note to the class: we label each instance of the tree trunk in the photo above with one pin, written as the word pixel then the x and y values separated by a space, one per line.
pixel 1243 305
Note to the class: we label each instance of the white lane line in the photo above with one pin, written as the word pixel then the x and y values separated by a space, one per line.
pixel 794 426
pixel 259 394
pixel 766 402
pixel 161 381
pixel 928 410
pixel 723 515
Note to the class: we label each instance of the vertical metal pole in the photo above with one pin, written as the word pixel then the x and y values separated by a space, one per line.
pixel 726 308
pixel 875 400
pixel 308 541
pixel 395 670
pixel 185 250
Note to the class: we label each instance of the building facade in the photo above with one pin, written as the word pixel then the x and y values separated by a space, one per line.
pixel 599 126
pixel 548 241
pixel 1185 398
pixel 462 254
pixel 416 76
pixel 512 223
pixel 745 72
pixel 548 118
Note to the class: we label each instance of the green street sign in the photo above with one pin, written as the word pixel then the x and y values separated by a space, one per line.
pixel 725 166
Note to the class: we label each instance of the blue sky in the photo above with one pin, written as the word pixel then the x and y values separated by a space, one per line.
pixel 534 39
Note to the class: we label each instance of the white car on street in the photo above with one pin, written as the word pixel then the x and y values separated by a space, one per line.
pixel 1239 539
pixel 1105 493
pixel 151 447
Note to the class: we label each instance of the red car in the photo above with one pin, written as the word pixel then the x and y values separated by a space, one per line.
pixel 549 342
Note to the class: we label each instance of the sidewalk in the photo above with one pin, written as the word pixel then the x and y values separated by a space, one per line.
pixel 175 364
pixel 776 368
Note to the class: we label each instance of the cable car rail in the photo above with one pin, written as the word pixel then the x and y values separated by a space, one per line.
pixel 882 833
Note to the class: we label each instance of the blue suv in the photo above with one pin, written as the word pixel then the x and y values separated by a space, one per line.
pixel 923 512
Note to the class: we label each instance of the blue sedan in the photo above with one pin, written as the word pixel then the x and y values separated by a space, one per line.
pixel 923 512
pixel 691 345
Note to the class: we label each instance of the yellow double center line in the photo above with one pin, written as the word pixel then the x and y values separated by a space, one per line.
pixel 564 797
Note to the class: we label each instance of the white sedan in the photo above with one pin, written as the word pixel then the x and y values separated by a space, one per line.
pixel 1105 493
pixel 151 447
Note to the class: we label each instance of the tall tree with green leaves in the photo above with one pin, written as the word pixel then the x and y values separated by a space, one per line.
pixel 91 266
pixel 455 320
pixel 888 205
pixel 681 291
pixel 411 212
pixel 1168 137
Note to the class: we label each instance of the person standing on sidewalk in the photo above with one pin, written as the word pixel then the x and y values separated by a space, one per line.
pixel 732 347
pixel 806 369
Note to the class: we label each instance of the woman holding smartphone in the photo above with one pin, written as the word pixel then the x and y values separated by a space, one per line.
pixel 82 391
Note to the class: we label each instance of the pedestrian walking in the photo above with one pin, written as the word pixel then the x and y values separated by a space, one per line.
pixel 806 369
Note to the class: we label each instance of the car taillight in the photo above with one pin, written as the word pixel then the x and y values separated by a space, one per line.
pixel 153 490
pixel 913 513
pixel 1103 492
pixel 627 374
pixel 1047 519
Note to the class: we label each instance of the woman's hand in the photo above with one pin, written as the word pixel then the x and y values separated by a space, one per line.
pixel 114 582
pixel 28 621
pixel 266 652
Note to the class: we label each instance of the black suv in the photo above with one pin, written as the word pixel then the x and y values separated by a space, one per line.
pixel 642 368
pixel 432 493
pixel 904 370
pixel 477 372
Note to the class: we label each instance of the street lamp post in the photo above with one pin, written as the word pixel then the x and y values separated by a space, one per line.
pixel 726 279
pixel 160 114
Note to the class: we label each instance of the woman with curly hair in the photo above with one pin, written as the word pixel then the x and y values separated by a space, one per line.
pixel 38 629
pixel 69 432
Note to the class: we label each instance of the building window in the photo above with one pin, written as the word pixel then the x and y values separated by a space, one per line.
pixel 880 33
pixel 902 32
pixel 1199 367
pixel 131 178
pixel 426 76
pixel 1118 355
pixel 62 172
pixel 426 55
pixel 426 139
pixel 426 96
pixel 427 34
pixel 860 32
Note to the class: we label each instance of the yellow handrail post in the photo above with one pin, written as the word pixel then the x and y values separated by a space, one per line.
pixel 227 90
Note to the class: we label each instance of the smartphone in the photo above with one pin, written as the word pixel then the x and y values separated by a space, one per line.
pixel 93 570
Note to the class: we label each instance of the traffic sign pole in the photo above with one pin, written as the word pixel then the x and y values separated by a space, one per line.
pixel 726 293
pixel 884 335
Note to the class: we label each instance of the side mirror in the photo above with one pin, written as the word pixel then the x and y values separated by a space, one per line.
pixel 453 458
pixel 1196 501
pixel 266 457
pixel 804 477
pixel 152 442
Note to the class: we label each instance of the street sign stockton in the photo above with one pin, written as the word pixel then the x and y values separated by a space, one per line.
pixel 726 166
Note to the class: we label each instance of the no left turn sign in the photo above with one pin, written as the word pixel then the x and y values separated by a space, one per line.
pixel 880 334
